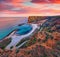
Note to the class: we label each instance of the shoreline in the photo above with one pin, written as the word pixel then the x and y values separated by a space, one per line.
pixel 8 36
pixel 16 39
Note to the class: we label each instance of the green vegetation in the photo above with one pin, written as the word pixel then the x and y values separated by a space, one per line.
pixel 11 47
pixel 58 42
pixel 45 55
pixel 47 37
pixel 17 50
pixel 4 43
pixel 34 40
pixel 49 30
pixel 26 45
pixel 30 42
pixel 21 41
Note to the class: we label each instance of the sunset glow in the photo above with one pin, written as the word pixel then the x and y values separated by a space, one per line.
pixel 29 7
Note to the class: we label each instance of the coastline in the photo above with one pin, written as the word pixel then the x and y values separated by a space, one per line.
pixel 8 36
pixel 16 39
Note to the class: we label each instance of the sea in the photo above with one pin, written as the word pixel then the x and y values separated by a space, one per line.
pixel 8 24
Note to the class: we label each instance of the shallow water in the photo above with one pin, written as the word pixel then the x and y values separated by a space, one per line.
pixel 7 25
pixel 24 29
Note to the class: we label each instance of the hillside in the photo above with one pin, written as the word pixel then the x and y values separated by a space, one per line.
pixel 44 43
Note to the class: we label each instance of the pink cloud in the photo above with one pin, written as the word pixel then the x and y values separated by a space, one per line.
pixel 45 1
pixel 27 7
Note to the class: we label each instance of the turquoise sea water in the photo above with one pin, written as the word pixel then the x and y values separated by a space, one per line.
pixel 24 29
pixel 7 27
pixel 5 32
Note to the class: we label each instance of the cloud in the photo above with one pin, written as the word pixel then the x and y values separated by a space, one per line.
pixel 19 7
pixel 15 1
pixel 45 1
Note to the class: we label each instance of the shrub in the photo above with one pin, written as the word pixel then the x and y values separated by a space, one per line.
pixel 5 42
pixel 11 47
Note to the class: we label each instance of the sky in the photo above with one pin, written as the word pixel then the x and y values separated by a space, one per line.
pixel 17 8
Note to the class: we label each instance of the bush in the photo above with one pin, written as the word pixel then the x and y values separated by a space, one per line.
pixel 30 42
pixel 21 41
pixel 11 47
pixel 34 40
pixel 5 42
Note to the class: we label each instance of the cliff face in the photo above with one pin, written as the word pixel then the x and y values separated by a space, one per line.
pixel 44 43
pixel 35 18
